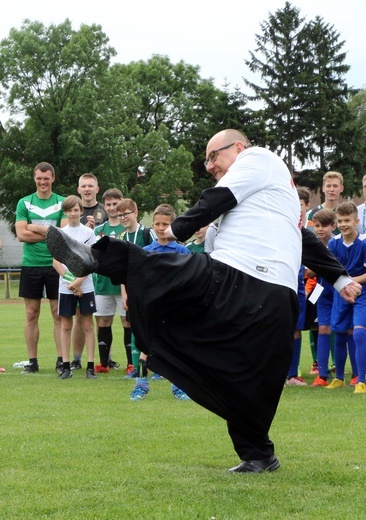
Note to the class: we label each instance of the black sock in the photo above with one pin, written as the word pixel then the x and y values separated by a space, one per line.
pixel 127 341
pixel 66 365
pixel 90 365
pixel 33 360
pixel 104 344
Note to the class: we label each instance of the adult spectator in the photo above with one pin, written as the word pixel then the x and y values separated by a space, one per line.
pixel 93 215
pixel 34 214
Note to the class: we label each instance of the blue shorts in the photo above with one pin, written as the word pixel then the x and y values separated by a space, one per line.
pixel 346 316
pixel 324 308
pixel 67 304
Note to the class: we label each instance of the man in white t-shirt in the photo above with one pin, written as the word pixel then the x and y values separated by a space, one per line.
pixel 361 209
pixel 221 326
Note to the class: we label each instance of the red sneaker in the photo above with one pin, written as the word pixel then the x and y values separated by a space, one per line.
pixel 353 381
pixel 2 369
pixel 100 369
pixel 130 369
pixel 318 381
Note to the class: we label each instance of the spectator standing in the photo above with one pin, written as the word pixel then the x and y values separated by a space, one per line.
pixel 34 214
pixel 108 296
pixel 76 295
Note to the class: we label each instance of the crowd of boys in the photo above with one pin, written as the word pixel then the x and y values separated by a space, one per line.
pixel 340 226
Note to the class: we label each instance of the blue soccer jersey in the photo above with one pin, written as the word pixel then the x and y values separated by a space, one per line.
pixel 346 316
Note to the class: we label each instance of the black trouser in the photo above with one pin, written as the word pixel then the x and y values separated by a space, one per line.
pixel 221 335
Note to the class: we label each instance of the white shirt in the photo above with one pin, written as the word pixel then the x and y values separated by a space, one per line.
pixel 85 235
pixel 261 235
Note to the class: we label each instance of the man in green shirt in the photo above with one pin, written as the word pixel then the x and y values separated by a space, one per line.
pixel 34 214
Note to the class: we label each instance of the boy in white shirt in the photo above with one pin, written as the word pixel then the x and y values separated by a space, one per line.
pixel 76 295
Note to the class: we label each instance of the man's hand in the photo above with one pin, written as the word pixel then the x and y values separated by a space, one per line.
pixel 351 291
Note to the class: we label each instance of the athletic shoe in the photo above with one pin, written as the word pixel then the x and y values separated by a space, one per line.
pixel 31 368
pixel 65 374
pixel 100 369
pixel 59 367
pixel 353 381
pixel 2 369
pixel 20 364
pixel 314 368
pixel 318 381
pixel 75 365
pixel 336 383
pixel 296 381
pixel 90 373
pixel 360 388
pixel 139 393
pixel 156 377
pixel 179 394
pixel 113 364
pixel 131 372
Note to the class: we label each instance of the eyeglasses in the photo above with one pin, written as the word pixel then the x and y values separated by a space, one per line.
pixel 213 155
pixel 123 215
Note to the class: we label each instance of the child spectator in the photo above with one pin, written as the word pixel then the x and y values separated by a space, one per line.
pixel 350 249
pixel 197 245
pixel 324 222
pixel 108 296
pixel 76 294
pixel 293 377
pixel 141 236
pixel 162 218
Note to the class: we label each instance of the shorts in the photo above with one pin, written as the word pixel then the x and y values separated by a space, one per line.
pixel 108 303
pixel 38 282
pixel 300 325
pixel 324 307
pixel 346 316
pixel 67 304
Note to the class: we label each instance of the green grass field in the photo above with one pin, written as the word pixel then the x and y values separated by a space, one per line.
pixel 80 449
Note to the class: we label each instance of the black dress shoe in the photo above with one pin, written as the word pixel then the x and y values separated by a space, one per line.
pixel 257 466
pixel 76 256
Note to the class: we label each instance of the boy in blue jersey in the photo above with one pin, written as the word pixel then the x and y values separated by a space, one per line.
pixel 324 222
pixel 350 249
pixel 162 218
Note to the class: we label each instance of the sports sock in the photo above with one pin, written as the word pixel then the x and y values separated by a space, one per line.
pixel 313 338
pixel 352 353
pixel 77 357
pixel 323 354
pixel 90 365
pixel 340 353
pixel 294 367
pixel 135 353
pixel 33 360
pixel 359 336
pixel 66 365
pixel 127 342
pixel 104 343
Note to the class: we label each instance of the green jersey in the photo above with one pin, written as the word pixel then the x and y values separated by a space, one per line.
pixel 44 212
pixel 103 284
pixel 141 237
pixel 196 248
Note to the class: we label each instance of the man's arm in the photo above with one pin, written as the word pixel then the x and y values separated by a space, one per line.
pixel 212 203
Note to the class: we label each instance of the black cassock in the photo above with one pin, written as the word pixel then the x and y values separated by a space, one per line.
pixel 221 335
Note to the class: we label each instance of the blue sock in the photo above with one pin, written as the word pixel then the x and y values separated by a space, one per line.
pixel 142 382
pixel 294 367
pixel 352 353
pixel 359 336
pixel 323 354
pixel 340 353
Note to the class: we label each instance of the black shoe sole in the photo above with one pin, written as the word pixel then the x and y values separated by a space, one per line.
pixel 61 250
pixel 256 466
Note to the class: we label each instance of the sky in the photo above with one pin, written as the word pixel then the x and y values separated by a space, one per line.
pixel 214 36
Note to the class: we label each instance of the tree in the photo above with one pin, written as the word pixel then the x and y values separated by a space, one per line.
pixel 304 89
